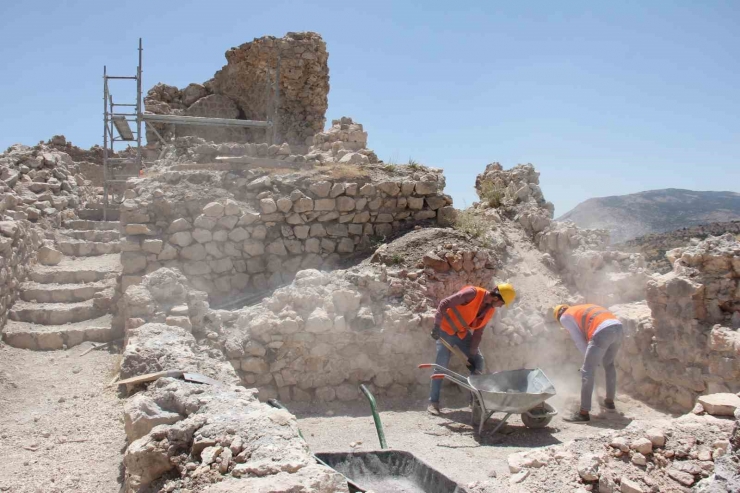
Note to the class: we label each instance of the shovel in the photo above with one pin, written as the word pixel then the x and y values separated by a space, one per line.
pixel 455 350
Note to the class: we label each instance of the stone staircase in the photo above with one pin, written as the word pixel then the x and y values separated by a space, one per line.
pixel 65 304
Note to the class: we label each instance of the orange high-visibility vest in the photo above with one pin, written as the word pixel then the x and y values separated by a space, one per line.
pixel 589 317
pixel 460 319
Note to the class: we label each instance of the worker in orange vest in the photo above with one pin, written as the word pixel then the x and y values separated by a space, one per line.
pixel 460 320
pixel 598 334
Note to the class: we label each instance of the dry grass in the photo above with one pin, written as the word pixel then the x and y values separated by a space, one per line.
pixel 341 171
pixel 491 194
pixel 470 223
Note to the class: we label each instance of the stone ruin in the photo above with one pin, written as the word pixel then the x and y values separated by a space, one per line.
pixel 346 258
pixel 243 89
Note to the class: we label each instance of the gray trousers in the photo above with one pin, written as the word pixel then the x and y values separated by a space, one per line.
pixel 602 349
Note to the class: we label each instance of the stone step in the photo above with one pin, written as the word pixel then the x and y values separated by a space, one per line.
pixel 26 335
pixel 82 248
pixel 54 313
pixel 71 271
pixel 101 235
pixel 62 293
pixel 97 214
pixel 81 224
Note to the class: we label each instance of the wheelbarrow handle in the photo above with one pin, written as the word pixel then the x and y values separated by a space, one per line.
pixel 438 376
pixel 442 369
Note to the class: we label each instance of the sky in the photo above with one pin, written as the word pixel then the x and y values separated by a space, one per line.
pixel 604 98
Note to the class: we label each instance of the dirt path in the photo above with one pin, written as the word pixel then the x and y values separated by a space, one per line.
pixel 448 442
pixel 61 428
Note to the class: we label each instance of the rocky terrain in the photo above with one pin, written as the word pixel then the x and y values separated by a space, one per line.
pixel 655 246
pixel 332 264
pixel 655 211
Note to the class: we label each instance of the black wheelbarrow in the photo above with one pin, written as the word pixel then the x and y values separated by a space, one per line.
pixel 512 392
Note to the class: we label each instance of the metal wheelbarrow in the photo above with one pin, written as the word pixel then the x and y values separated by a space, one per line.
pixel 512 392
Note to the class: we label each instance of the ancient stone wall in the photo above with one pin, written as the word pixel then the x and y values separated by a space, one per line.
pixel 246 230
pixel 244 88
pixel 39 187
pixel 685 341
pixel 213 437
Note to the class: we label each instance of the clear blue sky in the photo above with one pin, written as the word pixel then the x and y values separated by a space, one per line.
pixel 603 98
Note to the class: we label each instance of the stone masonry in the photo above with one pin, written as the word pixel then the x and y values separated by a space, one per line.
pixel 243 88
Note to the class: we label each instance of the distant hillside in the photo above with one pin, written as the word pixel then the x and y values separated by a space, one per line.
pixel 654 211
pixel 655 245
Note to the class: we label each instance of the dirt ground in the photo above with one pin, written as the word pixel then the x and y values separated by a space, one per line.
pixel 61 427
pixel 448 442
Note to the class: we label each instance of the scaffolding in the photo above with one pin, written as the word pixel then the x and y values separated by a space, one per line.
pixel 117 170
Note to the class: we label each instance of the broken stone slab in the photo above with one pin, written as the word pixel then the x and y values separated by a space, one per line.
pixel 49 256
pixel 722 404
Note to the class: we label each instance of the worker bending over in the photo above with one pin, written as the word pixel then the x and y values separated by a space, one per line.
pixel 598 334
pixel 460 321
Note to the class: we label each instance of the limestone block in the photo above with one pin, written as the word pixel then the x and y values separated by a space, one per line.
pixel 181 238
pixel 361 217
pixel 168 253
pixel 312 245
pixel 220 235
pixel 152 246
pixel 268 206
pixel 254 247
pixel 133 262
pixel 416 203
pixel 238 234
pixel 205 222
pixel 228 222
pixel 48 256
pixel 277 247
pixel 178 225
pixel 317 230
pixel 214 209
pixel 391 188
pixel 202 235
pixel 337 189
pixel 345 204
pixel 232 208
pixel 325 205
pixel 723 404
pixel 284 204
pixel 193 252
pixel 199 268
pixel 138 229
pixel 424 215
pixel 301 232
pixel 303 204
pixel 248 218
pixel 320 188
pixel 446 216
pixel 425 187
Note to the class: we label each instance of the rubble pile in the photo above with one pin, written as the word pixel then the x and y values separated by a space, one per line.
pixel 655 246
pixel 231 231
pixel 243 89
pixel 345 142
pixel 579 256
pixel 668 456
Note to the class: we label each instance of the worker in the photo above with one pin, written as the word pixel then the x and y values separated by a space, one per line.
pixel 460 320
pixel 598 334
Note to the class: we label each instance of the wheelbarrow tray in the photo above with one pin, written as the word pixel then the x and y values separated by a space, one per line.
pixel 389 471
pixel 513 391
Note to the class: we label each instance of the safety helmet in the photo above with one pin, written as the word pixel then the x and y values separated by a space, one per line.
pixel 507 293
pixel 556 311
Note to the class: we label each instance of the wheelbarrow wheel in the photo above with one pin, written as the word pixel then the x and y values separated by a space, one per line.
pixel 536 421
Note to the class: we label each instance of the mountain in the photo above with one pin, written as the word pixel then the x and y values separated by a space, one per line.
pixel 654 211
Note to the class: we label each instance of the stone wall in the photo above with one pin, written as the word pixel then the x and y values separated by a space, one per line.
pixel 685 341
pixel 232 232
pixel 39 187
pixel 241 90
pixel 216 438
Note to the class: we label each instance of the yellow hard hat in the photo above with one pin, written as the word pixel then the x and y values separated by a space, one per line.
pixel 507 292
pixel 557 309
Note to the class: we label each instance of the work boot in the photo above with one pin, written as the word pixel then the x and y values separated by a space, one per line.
pixel 608 404
pixel 433 408
pixel 578 417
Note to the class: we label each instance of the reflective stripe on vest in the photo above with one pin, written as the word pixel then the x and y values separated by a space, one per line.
pixel 589 317
pixel 454 319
